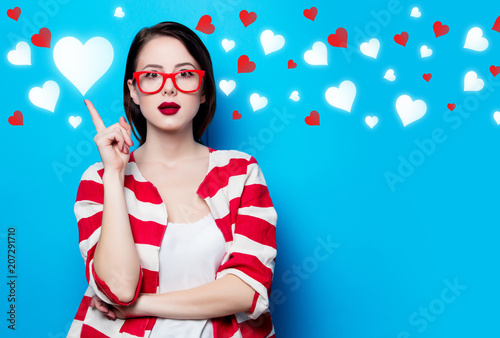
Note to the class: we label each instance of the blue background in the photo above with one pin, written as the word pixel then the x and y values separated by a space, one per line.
pixel 394 249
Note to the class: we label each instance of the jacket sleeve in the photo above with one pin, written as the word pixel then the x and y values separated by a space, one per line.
pixel 88 211
pixel 253 249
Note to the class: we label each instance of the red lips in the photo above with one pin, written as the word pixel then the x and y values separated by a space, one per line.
pixel 168 108
pixel 168 105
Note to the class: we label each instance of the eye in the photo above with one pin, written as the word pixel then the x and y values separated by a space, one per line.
pixel 151 75
pixel 187 74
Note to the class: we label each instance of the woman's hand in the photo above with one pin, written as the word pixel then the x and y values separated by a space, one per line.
pixel 113 142
pixel 103 307
pixel 113 312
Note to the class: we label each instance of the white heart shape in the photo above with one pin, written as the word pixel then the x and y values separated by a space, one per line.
pixel 475 40
pixel 81 64
pixel 75 121
pixel 409 110
pixel 21 56
pixel 425 52
pixel 415 12
pixel 389 75
pixel 343 96
pixel 119 12
pixel 317 55
pixel 371 121
pixel 227 86
pixel 472 83
pixel 295 96
pixel 45 97
pixel 228 44
pixel 257 102
pixel 496 116
pixel 370 48
pixel 271 42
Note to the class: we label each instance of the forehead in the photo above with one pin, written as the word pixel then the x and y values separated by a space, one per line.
pixel 166 51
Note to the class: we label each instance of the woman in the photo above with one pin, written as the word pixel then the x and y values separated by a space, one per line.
pixel 178 238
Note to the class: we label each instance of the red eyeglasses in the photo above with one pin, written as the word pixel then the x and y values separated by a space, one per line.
pixel 187 81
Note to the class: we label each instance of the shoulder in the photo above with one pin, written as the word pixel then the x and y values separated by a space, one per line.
pixel 227 155
pixel 93 173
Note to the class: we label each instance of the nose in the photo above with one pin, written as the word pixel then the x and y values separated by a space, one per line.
pixel 169 87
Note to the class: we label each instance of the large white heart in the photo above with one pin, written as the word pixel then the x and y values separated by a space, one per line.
pixel 45 97
pixel 409 110
pixel 82 64
pixel 343 96
pixel 317 55
pixel 20 56
pixel 271 42
pixel 257 101
pixel 475 40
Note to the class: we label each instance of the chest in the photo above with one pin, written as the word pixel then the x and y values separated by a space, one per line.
pixel 177 188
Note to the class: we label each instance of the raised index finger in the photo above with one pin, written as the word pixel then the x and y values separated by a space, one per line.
pixel 99 125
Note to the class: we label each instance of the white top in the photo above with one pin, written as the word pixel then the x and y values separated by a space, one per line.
pixel 190 255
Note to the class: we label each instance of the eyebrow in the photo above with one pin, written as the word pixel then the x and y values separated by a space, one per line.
pixel 176 66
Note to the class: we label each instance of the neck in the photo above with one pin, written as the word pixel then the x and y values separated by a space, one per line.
pixel 169 147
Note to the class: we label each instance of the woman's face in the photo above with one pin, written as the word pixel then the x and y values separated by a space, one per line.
pixel 167 54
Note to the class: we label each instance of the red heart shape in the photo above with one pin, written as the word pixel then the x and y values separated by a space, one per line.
pixel 496 25
pixel 291 64
pixel 245 65
pixel 16 119
pixel 339 39
pixel 311 13
pixel 14 13
pixel 204 25
pixel 236 115
pixel 440 29
pixel 401 39
pixel 42 39
pixel 312 119
pixel 427 77
pixel 495 70
pixel 451 106
pixel 247 18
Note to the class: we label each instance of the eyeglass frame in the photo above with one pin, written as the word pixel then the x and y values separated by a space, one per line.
pixel 165 76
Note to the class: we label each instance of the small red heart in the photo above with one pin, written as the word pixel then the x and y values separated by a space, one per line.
pixel 451 106
pixel 236 115
pixel 42 39
pixel 339 39
pixel 247 18
pixel 312 119
pixel 291 64
pixel 14 13
pixel 311 13
pixel 16 119
pixel 427 77
pixel 440 29
pixel 496 25
pixel 495 70
pixel 204 25
pixel 401 39
pixel 245 65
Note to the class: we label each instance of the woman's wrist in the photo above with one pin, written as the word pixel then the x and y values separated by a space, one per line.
pixel 111 176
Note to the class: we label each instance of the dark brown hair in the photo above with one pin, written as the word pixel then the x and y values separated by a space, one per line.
pixel 197 49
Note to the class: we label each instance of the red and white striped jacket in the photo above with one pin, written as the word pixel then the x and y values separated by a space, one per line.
pixel 236 193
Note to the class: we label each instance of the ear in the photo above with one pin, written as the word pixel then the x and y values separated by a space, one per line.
pixel 203 98
pixel 133 92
